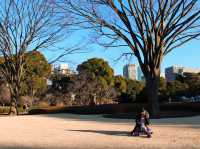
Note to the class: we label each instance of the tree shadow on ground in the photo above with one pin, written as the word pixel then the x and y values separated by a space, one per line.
pixel 105 132
pixel 109 132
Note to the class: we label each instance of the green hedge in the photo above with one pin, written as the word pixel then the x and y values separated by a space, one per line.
pixel 117 108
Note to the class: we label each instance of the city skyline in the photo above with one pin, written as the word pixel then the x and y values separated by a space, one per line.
pixel 187 55
pixel 138 71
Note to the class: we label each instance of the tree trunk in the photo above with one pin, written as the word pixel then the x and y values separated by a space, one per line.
pixel 14 101
pixel 152 86
pixel 13 108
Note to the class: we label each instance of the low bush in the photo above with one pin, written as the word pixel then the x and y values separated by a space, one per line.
pixel 43 104
pixel 6 109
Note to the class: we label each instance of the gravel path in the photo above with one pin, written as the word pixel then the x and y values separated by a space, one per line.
pixel 65 131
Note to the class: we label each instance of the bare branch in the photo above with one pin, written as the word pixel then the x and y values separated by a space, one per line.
pixel 27 26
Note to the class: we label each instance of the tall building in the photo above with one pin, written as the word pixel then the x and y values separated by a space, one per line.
pixel 129 71
pixel 62 69
pixel 162 74
pixel 140 75
pixel 172 72
pixel 133 71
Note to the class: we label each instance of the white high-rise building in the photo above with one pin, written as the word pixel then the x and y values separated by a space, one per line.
pixel 172 72
pixel 129 71
pixel 133 71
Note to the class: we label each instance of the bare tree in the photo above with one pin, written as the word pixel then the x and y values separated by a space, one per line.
pixel 27 25
pixel 150 28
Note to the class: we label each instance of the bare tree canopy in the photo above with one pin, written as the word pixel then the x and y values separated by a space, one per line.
pixel 27 25
pixel 150 28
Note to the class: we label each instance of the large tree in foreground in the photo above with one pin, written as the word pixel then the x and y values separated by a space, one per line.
pixel 26 25
pixel 150 28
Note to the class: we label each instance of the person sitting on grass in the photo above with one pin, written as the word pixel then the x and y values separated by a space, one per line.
pixel 142 124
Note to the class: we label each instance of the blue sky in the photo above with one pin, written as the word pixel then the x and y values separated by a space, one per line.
pixel 187 55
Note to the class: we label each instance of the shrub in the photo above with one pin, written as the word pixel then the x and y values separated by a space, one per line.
pixel 43 104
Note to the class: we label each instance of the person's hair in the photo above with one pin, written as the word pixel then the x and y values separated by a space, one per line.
pixel 146 113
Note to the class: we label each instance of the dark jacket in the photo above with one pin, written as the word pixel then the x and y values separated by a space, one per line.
pixel 138 119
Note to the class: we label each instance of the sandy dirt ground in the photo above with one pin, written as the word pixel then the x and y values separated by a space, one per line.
pixel 65 131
